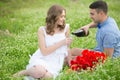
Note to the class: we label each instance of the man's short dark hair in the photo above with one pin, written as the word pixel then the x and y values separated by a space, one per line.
pixel 99 5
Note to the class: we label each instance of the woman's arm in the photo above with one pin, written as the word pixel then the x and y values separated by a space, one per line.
pixel 69 57
pixel 68 38
pixel 42 45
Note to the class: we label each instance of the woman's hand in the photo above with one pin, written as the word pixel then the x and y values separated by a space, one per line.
pixel 68 41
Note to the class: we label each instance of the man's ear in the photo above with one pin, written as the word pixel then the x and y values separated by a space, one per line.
pixel 102 13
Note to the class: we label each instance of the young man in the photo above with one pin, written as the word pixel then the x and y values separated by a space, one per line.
pixel 108 34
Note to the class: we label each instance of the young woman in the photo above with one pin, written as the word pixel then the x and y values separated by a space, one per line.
pixel 53 40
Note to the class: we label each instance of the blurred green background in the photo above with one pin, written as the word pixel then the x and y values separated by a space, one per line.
pixel 19 23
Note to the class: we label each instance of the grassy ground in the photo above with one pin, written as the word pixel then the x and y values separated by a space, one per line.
pixel 19 22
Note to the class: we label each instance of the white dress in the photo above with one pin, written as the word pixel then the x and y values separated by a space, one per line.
pixel 54 61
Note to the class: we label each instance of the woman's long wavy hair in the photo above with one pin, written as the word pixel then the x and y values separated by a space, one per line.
pixel 52 16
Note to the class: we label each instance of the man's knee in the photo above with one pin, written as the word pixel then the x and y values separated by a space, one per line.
pixel 76 51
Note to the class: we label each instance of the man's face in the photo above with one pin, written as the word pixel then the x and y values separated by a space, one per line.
pixel 95 16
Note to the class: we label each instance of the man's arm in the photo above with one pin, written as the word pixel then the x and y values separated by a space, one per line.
pixel 90 25
pixel 109 52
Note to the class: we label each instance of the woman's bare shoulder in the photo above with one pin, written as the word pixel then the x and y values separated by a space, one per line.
pixel 40 29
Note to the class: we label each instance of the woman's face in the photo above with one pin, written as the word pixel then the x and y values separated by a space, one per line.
pixel 61 18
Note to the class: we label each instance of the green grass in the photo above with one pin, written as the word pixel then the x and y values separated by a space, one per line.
pixel 19 22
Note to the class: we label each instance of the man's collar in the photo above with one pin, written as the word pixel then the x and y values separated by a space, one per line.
pixel 99 25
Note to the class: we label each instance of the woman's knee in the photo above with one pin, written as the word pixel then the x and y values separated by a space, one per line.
pixel 48 75
pixel 38 71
